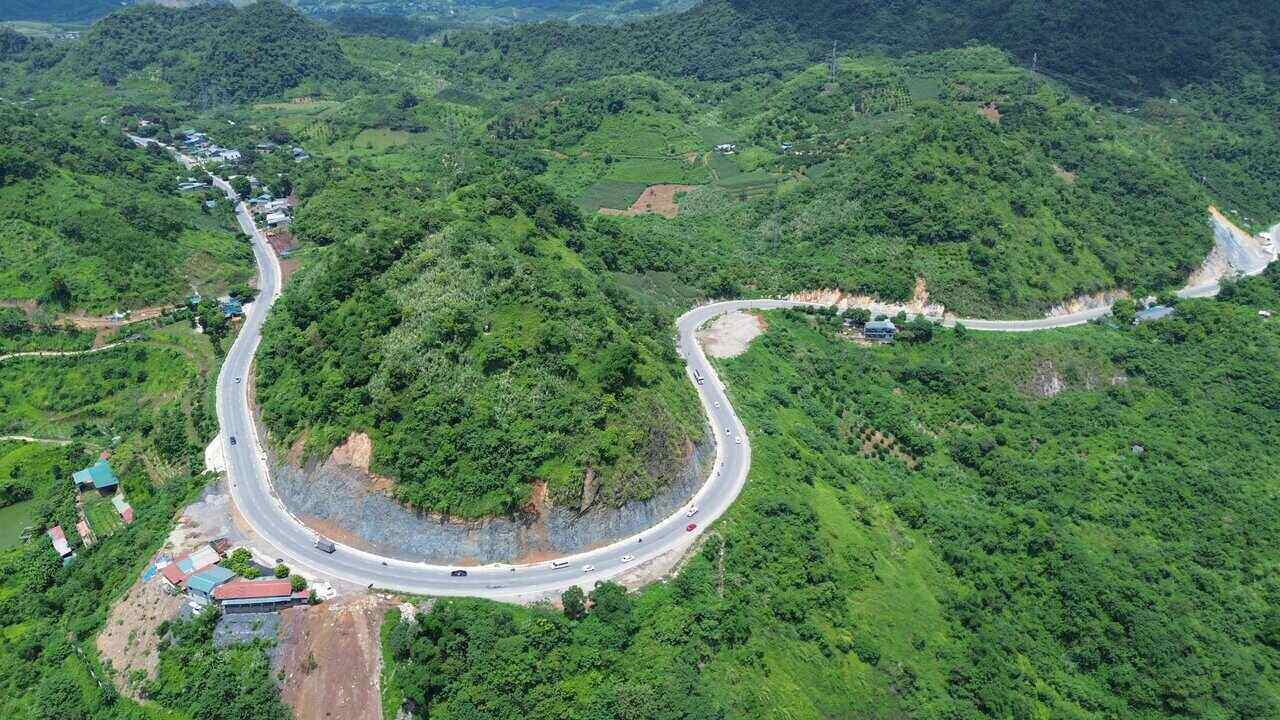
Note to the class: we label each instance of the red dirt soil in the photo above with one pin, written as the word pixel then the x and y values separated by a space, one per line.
pixel 656 199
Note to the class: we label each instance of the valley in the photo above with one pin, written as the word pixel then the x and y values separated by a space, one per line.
pixel 688 360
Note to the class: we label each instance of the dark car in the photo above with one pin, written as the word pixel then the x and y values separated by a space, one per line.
pixel 233 439
pixel 459 573
pixel 691 527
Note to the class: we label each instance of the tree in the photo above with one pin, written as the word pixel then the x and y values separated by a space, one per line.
pixel 575 603
pixel 13 322
pixel 240 184
pixel 859 316
pixel 298 583
pixel 1124 311
pixel 282 571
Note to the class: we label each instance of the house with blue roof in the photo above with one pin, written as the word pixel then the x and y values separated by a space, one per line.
pixel 231 308
pixel 98 476
pixel 201 584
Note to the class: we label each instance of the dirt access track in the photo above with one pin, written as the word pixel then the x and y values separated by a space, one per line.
pixel 729 335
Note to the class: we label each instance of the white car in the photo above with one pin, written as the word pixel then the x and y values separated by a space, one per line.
pixel 717 403
pixel 728 431
pixel 628 558
pixel 693 510
pixel 237 380
pixel 588 568
pixel 738 439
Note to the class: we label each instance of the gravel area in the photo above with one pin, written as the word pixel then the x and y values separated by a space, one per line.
pixel 337 500
pixel 240 628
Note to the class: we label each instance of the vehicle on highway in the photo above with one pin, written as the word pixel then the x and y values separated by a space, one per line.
pixel 628 558
pixel 691 527
pixel 717 403
pixel 325 545
pixel 588 568
pixel 738 439
pixel 558 564
pixel 693 510
pixel 459 573
pixel 728 431
pixel 233 439
pixel 697 375
pixel 237 381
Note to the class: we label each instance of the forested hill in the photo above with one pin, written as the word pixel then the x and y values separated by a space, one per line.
pixel 89 222
pixel 214 54
pixel 1132 46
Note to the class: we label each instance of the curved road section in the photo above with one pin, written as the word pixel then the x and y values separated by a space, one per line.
pixel 292 540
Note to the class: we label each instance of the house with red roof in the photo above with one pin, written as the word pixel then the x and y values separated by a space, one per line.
pixel 59 539
pixel 257 595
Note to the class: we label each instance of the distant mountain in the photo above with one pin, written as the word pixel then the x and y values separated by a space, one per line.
pixel 58 10
pixel 1134 46
pixel 214 54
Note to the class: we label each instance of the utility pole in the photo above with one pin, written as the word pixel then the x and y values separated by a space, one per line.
pixel 831 71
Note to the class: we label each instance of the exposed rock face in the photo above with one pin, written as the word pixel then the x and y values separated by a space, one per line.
pixel 918 304
pixel 1234 252
pixel 356 451
pixel 341 500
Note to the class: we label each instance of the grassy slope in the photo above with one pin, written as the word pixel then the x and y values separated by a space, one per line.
pixel 1032 566
pixel 97 226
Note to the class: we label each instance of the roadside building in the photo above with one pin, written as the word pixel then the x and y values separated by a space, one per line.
pixel 231 308
pixel 880 330
pixel 98 476
pixel 276 219
pixel 257 596
pixel 59 539
pixel 1155 312
pixel 178 571
pixel 202 584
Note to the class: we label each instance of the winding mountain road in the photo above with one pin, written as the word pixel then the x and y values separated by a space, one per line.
pixel 290 539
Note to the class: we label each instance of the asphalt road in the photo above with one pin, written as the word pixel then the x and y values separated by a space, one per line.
pixel 292 541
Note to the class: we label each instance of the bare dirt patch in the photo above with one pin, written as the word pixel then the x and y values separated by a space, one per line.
pixel 330 659
pixel 128 643
pixel 655 200
pixel 991 111
pixel 357 452
pixel 1065 174
pixel 89 322
pixel 730 334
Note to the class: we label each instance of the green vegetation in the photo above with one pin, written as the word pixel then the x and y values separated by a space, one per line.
pixel 231 684
pixel 93 223
pixel 467 337
pixel 1086 532
pixel 214 53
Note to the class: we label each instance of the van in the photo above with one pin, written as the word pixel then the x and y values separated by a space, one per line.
pixel 325 545
pixel 557 564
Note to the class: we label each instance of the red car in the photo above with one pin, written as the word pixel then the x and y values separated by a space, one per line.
pixel 691 527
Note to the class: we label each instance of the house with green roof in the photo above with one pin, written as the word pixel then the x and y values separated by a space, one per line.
pixel 97 476
pixel 202 583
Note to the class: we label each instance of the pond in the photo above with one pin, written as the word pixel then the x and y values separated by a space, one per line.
pixel 13 519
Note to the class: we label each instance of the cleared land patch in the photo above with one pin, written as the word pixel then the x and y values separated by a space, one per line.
pixel 656 199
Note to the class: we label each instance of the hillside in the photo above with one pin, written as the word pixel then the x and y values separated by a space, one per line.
pixel 467 338
pixel 1079 530
pixel 214 54
pixel 1107 44
pixel 93 223
pixel 1003 194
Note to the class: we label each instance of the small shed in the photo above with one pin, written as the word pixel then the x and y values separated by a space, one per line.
pixel 122 507
pixel 59 539
pixel 86 535
pixel 98 476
